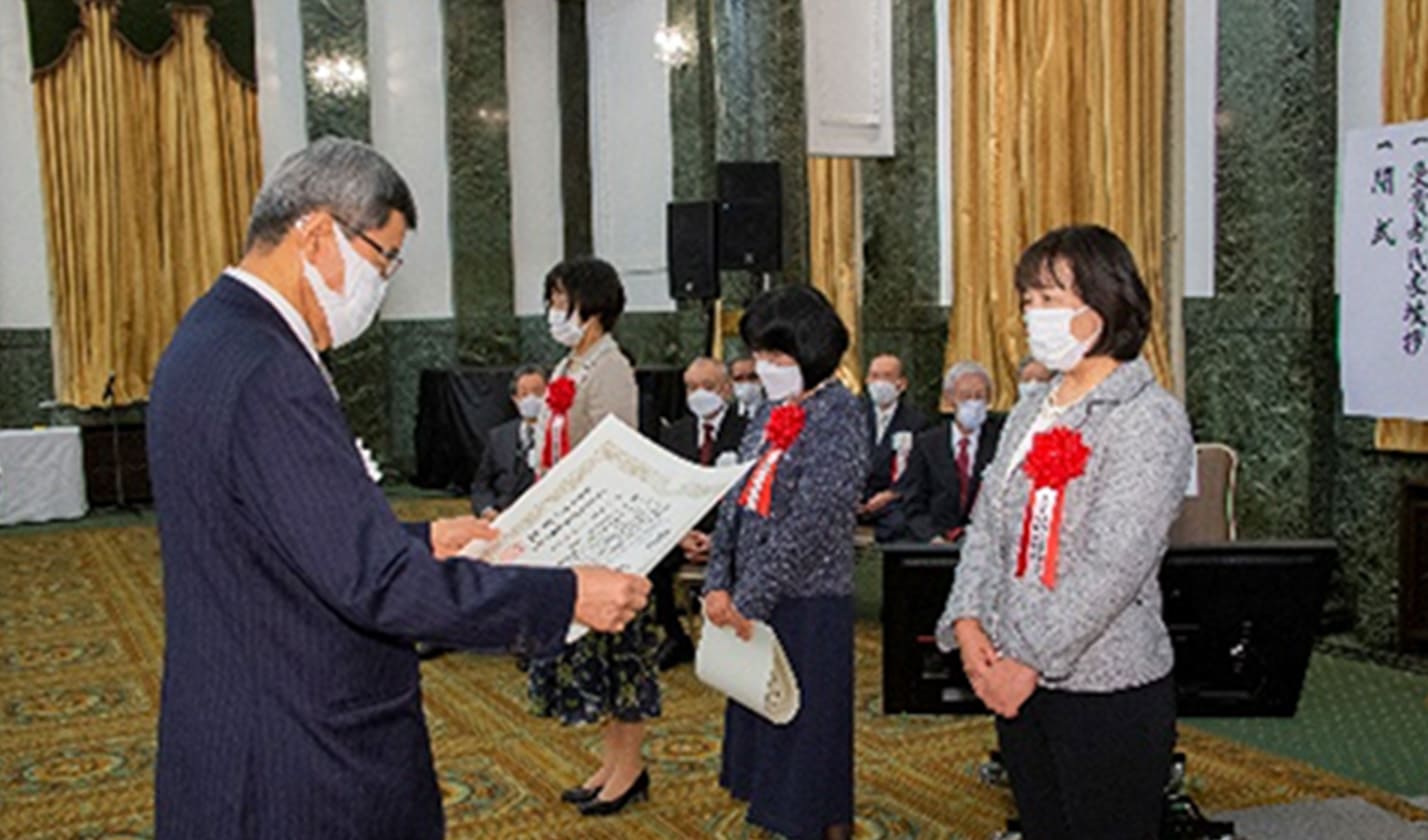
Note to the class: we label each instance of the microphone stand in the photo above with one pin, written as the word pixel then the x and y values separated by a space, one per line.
pixel 119 500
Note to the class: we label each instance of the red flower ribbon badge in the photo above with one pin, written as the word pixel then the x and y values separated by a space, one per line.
pixel 559 397
pixel 1057 456
pixel 784 424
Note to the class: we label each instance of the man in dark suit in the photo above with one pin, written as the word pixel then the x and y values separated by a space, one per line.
pixel 291 700
pixel 944 473
pixel 748 391
pixel 709 431
pixel 892 424
pixel 505 469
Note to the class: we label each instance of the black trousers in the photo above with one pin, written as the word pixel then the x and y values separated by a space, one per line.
pixel 662 593
pixel 1091 766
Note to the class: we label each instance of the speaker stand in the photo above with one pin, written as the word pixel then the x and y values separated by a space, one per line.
pixel 710 324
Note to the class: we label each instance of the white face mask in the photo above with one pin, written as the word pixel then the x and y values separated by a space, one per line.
pixel 749 393
pixel 565 328
pixel 351 311
pixel 971 414
pixel 1048 331
pixel 883 392
pixel 703 402
pixel 781 382
pixel 1026 389
pixel 529 405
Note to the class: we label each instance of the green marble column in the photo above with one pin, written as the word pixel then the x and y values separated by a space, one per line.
pixel 758 112
pixel 574 96
pixel 486 330
pixel 335 29
pixel 691 103
pixel 28 377
pixel 332 29
pixel 902 311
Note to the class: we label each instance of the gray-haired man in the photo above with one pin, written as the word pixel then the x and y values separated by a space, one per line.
pixel 291 702
pixel 944 471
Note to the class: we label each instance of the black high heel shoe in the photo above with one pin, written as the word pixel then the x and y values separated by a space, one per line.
pixel 638 792
pixel 579 795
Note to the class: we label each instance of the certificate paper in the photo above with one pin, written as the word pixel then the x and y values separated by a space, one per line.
pixel 617 500
pixel 755 674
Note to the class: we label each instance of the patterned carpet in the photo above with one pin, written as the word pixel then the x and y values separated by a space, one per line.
pixel 80 641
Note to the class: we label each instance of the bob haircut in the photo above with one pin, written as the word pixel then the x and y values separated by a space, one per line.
pixel 592 286
pixel 797 320
pixel 1103 274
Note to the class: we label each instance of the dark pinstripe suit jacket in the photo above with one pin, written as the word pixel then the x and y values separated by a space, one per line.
pixel 291 701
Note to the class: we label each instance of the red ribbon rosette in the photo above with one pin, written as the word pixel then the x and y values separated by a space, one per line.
pixel 781 430
pixel 1057 457
pixel 559 397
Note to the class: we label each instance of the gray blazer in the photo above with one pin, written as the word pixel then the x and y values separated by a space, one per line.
pixel 1100 629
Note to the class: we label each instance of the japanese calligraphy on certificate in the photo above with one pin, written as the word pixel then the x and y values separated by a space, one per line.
pixel 618 500
pixel 1383 282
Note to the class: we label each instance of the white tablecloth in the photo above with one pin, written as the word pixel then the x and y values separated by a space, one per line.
pixel 41 475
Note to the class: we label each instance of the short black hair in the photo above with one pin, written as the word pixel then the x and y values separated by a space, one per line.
pixel 592 286
pixel 522 372
pixel 1103 274
pixel 797 320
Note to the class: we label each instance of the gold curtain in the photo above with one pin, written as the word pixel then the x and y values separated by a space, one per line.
pixel 149 170
pixel 1058 118
pixel 1405 99
pixel 835 249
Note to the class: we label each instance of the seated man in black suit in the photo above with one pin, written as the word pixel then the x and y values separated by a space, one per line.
pixel 709 431
pixel 892 423
pixel 944 473
pixel 505 471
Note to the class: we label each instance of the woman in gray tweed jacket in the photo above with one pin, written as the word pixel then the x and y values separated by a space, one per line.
pixel 1056 608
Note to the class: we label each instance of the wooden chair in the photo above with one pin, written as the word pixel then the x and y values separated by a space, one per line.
pixel 1209 516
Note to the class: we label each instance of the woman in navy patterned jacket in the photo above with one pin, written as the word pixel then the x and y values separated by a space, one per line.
pixel 783 554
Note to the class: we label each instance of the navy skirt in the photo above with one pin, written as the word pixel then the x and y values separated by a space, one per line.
pixel 798 778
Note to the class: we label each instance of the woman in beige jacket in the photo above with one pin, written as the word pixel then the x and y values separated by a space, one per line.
pixel 605 678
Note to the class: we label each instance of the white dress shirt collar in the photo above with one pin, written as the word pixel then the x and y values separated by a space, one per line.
pixel 971 437
pixel 717 421
pixel 289 313
pixel 883 418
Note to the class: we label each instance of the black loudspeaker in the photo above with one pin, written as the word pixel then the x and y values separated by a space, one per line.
pixel 691 248
pixel 750 216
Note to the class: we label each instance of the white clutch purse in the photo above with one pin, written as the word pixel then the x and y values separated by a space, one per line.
pixel 755 674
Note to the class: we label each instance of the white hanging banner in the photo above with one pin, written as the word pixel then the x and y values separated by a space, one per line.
pixel 406 69
pixel 848 92
pixel 1383 264
pixel 25 289
pixel 631 147
pixel 533 94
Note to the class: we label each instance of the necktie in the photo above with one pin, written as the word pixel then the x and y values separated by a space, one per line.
pixel 964 473
pixel 706 446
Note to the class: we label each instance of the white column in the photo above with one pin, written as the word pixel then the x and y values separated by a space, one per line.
pixel 942 38
pixel 533 103
pixel 1360 79
pixel 1200 82
pixel 24 267
pixel 631 177
pixel 407 84
pixel 282 97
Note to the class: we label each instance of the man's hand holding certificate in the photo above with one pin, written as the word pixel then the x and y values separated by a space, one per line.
pixel 618 500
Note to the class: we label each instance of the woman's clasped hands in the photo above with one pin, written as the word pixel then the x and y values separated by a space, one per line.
pixel 1001 683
